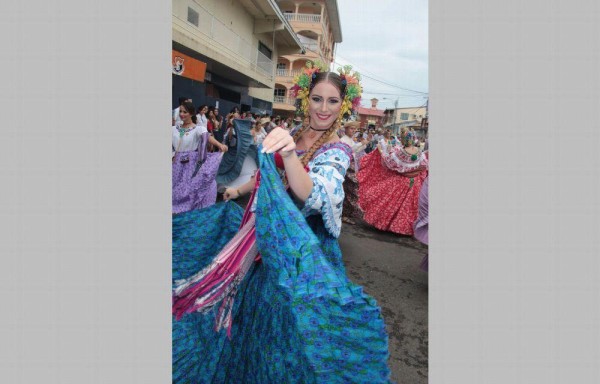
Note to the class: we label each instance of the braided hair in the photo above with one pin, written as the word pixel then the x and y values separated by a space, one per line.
pixel 336 81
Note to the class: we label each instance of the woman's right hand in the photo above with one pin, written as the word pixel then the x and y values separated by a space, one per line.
pixel 279 140
pixel 230 193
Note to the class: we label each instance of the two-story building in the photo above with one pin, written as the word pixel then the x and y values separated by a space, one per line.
pixel 317 25
pixel 370 117
pixel 410 117
pixel 225 52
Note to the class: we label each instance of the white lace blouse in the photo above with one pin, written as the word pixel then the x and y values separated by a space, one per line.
pixel 189 141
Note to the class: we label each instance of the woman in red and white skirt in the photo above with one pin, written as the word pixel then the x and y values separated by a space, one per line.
pixel 390 180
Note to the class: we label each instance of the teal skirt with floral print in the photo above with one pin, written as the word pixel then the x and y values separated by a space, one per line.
pixel 297 318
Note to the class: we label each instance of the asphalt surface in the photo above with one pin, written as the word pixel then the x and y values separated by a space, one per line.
pixel 387 266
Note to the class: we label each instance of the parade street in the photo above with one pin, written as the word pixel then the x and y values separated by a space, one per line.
pixel 387 267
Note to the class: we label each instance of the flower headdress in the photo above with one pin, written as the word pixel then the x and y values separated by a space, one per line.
pixel 304 83
pixel 352 90
pixel 407 138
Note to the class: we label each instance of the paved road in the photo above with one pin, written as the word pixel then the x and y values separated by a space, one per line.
pixel 387 266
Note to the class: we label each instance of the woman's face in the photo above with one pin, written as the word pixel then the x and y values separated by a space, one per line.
pixel 204 110
pixel 184 115
pixel 324 105
pixel 211 114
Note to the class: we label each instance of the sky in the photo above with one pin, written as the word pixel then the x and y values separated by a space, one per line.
pixel 386 40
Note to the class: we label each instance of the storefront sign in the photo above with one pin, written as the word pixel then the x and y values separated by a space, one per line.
pixel 186 66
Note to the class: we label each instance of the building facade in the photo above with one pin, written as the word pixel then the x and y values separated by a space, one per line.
pixel 231 48
pixel 370 117
pixel 411 117
pixel 317 25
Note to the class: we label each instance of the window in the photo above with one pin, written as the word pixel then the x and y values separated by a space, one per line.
pixel 404 116
pixel 279 92
pixel 192 16
pixel 280 65
pixel 261 104
pixel 264 50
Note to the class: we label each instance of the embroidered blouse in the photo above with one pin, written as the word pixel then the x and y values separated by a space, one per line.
pixel 396 158
pixel 327 170
pixel 189 141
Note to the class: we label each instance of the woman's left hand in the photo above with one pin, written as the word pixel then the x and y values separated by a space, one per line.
pixel 279 140
pixel 223 148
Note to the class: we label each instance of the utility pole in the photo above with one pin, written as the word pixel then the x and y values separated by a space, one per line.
pixel 425 121
pixel 395 112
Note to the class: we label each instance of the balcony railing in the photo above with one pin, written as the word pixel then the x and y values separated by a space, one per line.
pixel 284 100
pixel 264 64
pixel 232 44
pixel 288 73
pixel 315 48
pixel 303 17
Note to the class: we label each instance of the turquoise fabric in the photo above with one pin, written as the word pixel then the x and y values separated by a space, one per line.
pixel 297 318
pixel 233 160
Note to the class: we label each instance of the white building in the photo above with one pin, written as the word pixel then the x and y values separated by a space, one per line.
pixel 232 49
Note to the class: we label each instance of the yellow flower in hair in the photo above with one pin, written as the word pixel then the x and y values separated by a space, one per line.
pixel 351 90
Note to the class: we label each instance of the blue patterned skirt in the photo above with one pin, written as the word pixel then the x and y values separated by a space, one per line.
pixel 297 318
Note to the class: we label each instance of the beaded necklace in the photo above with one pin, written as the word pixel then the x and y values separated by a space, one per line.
pixel 185 131
pixel 182 132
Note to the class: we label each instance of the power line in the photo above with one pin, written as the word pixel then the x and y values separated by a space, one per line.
pixel 410 109
pixel 395 100
pixel 393 85
pixel 380 81
pixel 416 108
pixel 393 94
pixel 362 73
